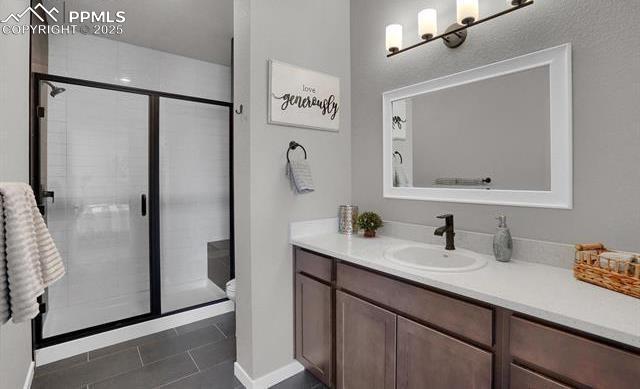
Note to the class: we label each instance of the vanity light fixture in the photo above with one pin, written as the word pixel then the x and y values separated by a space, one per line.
pixel 468 15
pixel 427 23
pixel 394 38
pixel 467 11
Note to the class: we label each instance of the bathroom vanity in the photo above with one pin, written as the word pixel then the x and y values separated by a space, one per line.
pixel 361 324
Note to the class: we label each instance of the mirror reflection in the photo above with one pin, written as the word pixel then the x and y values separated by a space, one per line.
pixel 502 122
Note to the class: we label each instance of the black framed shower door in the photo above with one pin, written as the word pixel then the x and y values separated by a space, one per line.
pixel 151 206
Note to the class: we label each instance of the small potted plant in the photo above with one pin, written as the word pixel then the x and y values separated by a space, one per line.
pixel 369 222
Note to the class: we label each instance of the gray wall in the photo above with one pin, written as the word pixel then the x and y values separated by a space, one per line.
pixel 606 91
pixel 15 339
pixel 496 128
pixel 314 35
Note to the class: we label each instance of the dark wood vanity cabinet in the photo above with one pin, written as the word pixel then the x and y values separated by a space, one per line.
pixel 522 378
pixel 360 329
pixel 576 359
pixel 366 344
pixel 314 334
pixel 427 358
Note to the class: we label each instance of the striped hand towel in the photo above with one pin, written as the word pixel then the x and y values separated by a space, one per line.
pixel 300 175
pixel 29 259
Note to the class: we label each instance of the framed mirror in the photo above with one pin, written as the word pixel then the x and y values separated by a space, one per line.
pixel 499 134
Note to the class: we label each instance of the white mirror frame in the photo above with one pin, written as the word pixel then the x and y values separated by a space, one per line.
pixel 560 194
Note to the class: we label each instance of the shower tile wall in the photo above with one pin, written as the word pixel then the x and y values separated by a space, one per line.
pixel 105 60
pixel 93 273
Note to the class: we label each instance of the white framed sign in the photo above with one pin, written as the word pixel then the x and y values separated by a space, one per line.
pixel 303 98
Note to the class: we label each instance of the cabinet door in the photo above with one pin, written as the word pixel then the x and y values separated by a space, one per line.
pixel 430 359
pixel 366 345
pixel 314 340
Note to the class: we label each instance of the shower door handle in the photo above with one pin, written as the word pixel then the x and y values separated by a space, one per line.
pixel 49 193
pixel 143 201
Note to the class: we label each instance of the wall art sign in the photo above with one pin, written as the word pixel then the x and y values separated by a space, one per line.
pixel 303 98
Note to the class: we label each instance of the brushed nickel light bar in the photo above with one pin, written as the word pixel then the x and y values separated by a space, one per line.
pixel 455 34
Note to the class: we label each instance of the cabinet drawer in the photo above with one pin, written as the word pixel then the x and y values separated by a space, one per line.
pixel 314 265
pixel 460 317
pixel 582 360
pixel 522 378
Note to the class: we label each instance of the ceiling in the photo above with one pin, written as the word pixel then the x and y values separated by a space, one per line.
pixel 200 29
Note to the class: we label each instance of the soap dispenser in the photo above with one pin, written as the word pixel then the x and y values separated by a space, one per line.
pixel 502 242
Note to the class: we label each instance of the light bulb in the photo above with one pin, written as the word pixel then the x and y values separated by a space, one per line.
pixel 394 37
pixel 427 23
pixel 468 11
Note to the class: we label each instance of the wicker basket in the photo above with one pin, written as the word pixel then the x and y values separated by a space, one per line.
pixel 617 275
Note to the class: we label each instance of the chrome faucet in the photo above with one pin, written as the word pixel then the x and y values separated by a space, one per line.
pixel 447 230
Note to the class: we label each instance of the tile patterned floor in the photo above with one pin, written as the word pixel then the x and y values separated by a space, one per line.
pixel 302 380
pixel 194 356
pixel 197 355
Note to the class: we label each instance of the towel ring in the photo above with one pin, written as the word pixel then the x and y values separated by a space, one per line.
pixel 294 145
pixel 399 155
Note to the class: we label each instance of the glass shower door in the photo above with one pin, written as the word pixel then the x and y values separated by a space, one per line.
pixel 195 200
pixel 94 148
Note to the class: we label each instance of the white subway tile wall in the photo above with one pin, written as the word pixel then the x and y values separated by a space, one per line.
pixel 97 143
pixel 105 60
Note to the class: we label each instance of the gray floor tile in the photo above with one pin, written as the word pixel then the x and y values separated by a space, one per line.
pixel 215 353
pixel 155 351
pixel 158 336
pixel 92 371
pixel 62 364
pixel 152 375
pixel 209 322
pixel 227 323
pixel 119 365
pixel 303 380
pixel 218 377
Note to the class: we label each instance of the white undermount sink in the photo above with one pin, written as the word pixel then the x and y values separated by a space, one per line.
pixel 434 258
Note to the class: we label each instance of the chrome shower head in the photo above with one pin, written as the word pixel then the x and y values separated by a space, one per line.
pixel 55 90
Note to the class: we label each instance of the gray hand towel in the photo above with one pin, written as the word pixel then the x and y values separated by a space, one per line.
pixel 400 177
pixel 299 173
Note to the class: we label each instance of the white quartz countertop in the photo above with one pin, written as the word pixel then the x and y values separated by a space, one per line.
pixel 546 292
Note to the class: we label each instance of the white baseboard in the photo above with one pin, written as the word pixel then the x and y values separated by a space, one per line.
pixel 104 339
pixel 268 379
pixel 29 379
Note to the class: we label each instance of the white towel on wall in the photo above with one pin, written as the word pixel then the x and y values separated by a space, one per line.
pixel 400 177
pixel 299 173
pixel 28 254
